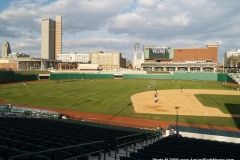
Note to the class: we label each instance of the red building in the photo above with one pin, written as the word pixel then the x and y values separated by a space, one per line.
pixel 181 59
pixel 208 54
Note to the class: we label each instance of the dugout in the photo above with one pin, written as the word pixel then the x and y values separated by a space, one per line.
pixel 118 76
pixel 44 76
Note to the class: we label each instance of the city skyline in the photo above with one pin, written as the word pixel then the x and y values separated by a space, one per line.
pixel 117 25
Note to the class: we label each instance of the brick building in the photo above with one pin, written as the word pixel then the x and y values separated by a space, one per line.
pixel 180 59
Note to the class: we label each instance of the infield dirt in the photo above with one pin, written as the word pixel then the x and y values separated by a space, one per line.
pixel 186 101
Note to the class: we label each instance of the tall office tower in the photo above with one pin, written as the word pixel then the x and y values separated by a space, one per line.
pixel 6 49
pixel 51 38
pixel 58 36
pixel 48 38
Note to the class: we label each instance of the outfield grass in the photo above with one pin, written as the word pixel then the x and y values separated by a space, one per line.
pixel 226 103
pixel 103 96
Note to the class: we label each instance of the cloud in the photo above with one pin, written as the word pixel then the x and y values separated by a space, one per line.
pixel 151 19
pixel 8 31
pixel 121 44
pixel 180 20
pixel 175 18
pixel 84 15
pixel 20 14
pixel 116 25
pixel 78 15
pixel 28 44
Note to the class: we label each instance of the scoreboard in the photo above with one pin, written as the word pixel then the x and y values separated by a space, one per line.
pixel 160 53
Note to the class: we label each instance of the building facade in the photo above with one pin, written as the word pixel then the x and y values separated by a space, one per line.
pixel 74 57
pixel 96 60
pixel 58 35
pixel 28 63
pixel 108 60
pixel 7 64
pixel 208 54
pixel 180 59
pixel 232 58
pixel 51 37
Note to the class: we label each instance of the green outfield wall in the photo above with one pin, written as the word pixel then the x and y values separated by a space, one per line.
pixel 11 76
pixel 59 76
pixel 224 78
pixel 182 76
pixel 175 76
pixel 147 76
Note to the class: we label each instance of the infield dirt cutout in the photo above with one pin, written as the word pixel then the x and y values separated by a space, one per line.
pixel 186 101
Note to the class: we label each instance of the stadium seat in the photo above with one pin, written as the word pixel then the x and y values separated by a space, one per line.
pixel 182 147
pixel 23 135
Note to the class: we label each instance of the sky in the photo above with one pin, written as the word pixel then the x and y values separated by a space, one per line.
pixel 115 25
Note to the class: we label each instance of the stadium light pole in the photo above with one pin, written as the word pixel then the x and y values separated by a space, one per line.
pixel 17 63
pixel 224 64
pixel 177 108
pixel 70 63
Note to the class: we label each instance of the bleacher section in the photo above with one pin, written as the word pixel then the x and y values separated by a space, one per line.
pixel 235 77
pixel 46 139
pixel 21 112
pixel 181 147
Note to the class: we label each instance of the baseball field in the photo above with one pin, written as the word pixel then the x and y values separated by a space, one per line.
pixel 114 97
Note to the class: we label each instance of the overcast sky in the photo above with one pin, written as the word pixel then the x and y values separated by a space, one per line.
pixel 115 25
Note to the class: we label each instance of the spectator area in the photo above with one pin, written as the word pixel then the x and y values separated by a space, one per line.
pixel 181 147
pixel 61 139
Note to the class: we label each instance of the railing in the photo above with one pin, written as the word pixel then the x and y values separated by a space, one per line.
pixel 139 137
pixel 63 148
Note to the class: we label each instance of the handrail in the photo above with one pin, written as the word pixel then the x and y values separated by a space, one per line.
pixel 83 155
pixel 132 135
pixel 128 136
pixel 144 138
pixel 133 141
pixel 55 149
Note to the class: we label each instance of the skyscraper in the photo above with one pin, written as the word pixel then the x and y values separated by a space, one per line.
pixel 6 49
pixel 51 37
pixel 58 36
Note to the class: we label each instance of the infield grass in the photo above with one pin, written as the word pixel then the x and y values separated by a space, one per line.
pixel 226 103
pixel 103 96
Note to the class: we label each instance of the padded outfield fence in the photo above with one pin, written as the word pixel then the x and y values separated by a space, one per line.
pixel 60 76
pixel 175 76
pixel 184 76
pixel 11 76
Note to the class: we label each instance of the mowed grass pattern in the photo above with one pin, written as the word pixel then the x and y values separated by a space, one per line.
pixel 102 96
pixel 226 103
